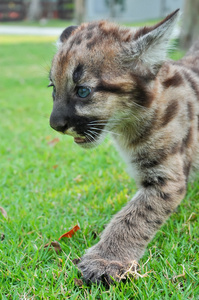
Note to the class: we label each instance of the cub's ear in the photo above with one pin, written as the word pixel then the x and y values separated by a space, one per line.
pixel 149 45
pixel 65 35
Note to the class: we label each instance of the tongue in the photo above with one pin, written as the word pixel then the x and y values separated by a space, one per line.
pixel 79 140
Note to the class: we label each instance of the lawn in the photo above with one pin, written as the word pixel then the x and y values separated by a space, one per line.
pixel 65 23
pixel 48 185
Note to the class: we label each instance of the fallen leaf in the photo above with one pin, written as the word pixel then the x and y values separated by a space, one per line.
pixel 70 233
pixel 4 213
pixel 78 282
pixel 53 142
pixel 55 167
pixel 54 245
pixel 2 236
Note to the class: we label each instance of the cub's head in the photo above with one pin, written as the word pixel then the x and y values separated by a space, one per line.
pixel 100 76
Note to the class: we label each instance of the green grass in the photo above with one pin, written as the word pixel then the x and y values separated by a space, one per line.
pixel 47 23
pixel 46 190
pixel 65 23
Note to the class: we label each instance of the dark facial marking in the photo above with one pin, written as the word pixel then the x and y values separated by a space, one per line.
pixel 109 88
pixel 78 72
pixel 170 112
pixel 174 81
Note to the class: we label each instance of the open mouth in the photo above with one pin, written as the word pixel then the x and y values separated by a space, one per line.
pixel 80 140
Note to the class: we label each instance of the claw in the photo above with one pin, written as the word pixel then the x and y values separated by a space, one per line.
pixel 96 270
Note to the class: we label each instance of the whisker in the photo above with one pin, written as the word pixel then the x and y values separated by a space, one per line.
pixel 97 124
pixel 93 132
pixel 87 135
pixel 104 122
pixel 108 131
pixel 115 121
pixel 98 121
pixel 140 106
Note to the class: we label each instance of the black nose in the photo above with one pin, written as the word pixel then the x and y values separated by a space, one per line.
pixel 58 120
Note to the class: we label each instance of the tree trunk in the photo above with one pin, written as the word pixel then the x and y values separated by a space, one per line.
pixel 112 9
pixel 35 10
pixel 190 23
pixel 80 11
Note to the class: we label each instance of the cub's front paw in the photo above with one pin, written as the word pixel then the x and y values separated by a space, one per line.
pixel 96 269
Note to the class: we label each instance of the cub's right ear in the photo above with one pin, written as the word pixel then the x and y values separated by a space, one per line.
pixel 65 35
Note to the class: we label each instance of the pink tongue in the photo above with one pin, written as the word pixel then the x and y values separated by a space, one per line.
pixel 79 140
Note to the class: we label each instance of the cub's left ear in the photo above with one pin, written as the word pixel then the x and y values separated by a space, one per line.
pixel 149 45
pixel 65 35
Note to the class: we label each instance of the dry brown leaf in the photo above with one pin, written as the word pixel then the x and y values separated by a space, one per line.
pixel 2 236
pixel 70 233
pixel 55 167
pixel 53 245
pixel 53 142
pixel 4 213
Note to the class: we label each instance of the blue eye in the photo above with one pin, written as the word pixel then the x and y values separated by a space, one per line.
pixel 83 91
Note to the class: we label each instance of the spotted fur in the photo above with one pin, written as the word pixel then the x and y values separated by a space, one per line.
pixel 150 106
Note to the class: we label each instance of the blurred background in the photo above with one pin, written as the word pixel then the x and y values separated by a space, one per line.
pixel 121 10
pixel 57 13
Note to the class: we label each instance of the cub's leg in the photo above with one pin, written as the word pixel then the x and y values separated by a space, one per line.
pixel 129 232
